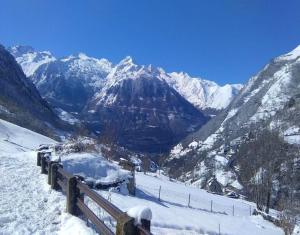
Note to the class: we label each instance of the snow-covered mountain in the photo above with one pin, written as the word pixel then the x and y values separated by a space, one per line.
pixel 204 94
pixel 29 59
pixel 20 101
pixel 160 102
pixel 61 81
pixel 271 100
pixel 144 111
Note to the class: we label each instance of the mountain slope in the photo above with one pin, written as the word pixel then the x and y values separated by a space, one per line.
pixel 142 109
pixel 29 59
pixel 203 94
pixel 35 208
pixel 61 81
pixel 271 100
pixel 20 102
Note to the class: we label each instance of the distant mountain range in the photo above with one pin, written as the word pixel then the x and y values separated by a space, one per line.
pixel 203 94
pixel 149 109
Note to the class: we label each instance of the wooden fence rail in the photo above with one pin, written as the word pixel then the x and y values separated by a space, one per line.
pixel 75 191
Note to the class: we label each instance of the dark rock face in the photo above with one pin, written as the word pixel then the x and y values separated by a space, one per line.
pixel 21 100
pixel 66 92
pixel 146 114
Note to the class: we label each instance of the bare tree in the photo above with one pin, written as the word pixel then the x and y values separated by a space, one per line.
pixel 260 160
pixel 145 164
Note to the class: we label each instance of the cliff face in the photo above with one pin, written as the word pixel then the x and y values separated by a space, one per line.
pixel 20 101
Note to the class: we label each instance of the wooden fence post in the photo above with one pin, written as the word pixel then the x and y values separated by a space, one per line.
pixel 50 172
pixel 232 210
pixel 38 158
pixel 54 168
pixel 211 206
pixel 159 193
pixel 125 225
pixel 189 200
pixel 146 224
pixel 72 194
pixel 43 165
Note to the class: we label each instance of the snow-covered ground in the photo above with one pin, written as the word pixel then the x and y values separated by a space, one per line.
pixel 29 206
pixel 94 168
pixel 172 215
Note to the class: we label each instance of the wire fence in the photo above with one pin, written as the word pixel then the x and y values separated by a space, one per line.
pixel 214 204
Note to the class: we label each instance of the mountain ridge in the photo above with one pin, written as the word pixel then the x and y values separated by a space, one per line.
pixel 204 96
pixel 145 96
pixel 269 101
pixel 20 101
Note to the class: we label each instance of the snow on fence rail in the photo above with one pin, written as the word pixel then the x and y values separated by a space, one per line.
pixel 75 191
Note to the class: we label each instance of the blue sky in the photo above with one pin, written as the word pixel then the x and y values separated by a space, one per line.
pixel 225 41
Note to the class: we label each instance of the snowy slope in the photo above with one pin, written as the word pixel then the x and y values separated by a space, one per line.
pixel 38 210
pixel 27 204
pixel 172 216
pixel 270 98
pixel 204 94
pixel 19 139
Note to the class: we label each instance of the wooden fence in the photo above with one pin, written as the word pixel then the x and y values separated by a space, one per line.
pixel 75 191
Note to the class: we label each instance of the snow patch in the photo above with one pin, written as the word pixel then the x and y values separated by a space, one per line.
pixel 139 213
pixel 94 168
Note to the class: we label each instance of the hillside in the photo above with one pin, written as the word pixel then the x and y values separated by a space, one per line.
pixel 259 131
pixel 37 209
pixel 20 101
pixel 204 94
pixel 145 113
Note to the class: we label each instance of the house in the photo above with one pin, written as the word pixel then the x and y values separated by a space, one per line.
pixel 214 186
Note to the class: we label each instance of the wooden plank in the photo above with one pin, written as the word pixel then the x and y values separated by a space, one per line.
pixel 64 173
pixel 62 185
pixel 114 211
pixel 101 227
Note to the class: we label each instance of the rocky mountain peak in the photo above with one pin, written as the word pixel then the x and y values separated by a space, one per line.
pixel 20 50
pixel 292 55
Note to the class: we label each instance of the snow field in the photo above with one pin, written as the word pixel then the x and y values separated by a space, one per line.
pixel 171 215
pixel 27 204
